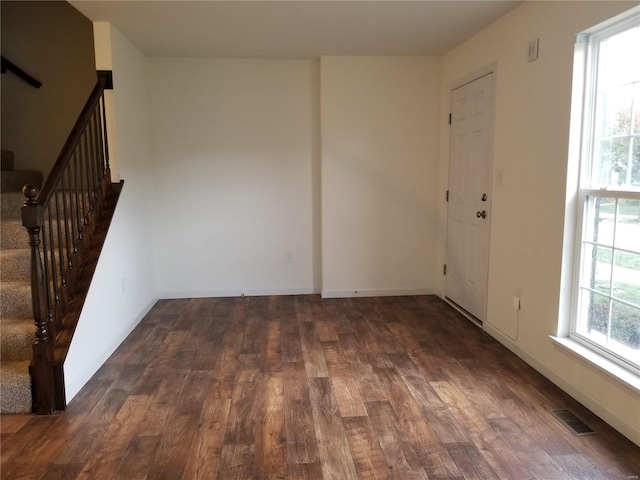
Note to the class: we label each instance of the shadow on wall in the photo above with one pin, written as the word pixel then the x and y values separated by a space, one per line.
pixel 53 42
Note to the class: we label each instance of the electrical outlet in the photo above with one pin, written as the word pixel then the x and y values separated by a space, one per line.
pixel 288 257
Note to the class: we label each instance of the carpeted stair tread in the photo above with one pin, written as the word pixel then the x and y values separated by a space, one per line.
pixel 15 264
pixel 15 300
pixel 13 235
pixel 15 394
pixel 11 206
pixel 16 339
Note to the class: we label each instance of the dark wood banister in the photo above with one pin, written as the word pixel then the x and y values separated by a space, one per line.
pixel 66 222
pixel 7 65
pixel 48 188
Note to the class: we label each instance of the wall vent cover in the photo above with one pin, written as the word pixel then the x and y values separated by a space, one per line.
pixel 572 423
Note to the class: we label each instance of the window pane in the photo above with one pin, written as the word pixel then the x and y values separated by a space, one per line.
pixel 626 277
pixel 628 225
pixel 614 159
pixel 597 313
pixel 635 159
pixel 625 325
pixel 600 220
pixel 614 162
pixel 601 276
pixel 617 111
pixel 615 67
pixel 636 115
pixel 596 272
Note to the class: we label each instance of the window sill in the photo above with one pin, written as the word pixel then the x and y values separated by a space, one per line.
pixel 615 371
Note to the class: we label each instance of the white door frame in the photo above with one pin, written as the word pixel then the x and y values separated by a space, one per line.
pixel 471 77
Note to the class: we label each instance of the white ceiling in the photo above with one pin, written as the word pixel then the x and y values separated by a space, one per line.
pixel 295 29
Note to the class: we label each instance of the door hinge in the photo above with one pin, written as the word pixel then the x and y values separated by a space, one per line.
pixel 449 119
pixel 444 269
pixel 447 195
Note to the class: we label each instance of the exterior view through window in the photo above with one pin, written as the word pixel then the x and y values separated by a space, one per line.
pixel 607 306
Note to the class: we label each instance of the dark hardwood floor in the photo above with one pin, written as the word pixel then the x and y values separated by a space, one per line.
pixel 305 388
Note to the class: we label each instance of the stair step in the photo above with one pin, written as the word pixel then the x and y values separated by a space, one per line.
pixel 11 206
pixel 13 181
pixel 13 235
pixel 15 396
pixel 16 300
pixel 15 265
pixel 16 339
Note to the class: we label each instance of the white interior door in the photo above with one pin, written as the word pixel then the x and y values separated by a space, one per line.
pixel 469 197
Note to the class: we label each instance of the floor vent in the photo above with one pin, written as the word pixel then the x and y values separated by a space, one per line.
pixel 572 422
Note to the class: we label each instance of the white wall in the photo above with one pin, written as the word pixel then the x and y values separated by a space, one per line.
pixel 53 42
pixel 123 288
pixel 531 143
pixel 235 164
pixel 379 119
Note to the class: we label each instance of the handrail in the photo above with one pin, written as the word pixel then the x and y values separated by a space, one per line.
pixel 7 65
pixel 61 221
pixel 62 162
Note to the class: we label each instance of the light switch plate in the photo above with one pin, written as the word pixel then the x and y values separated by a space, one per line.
pixel 533 49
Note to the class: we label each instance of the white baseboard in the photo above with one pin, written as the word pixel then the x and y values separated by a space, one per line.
pixel 622 426
pixel 73 386
pixel 238 293
pixel 377 292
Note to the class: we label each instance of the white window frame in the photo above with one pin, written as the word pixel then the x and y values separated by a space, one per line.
pixel 586 57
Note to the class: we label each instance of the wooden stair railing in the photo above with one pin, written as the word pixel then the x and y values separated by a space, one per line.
pixel 6 66
pixel 62 219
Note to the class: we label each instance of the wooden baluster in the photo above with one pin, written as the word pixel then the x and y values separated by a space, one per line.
pixel 60 248
pixel 42 367
pixel 92 159
pixel 96 145
pixel 51 273
pixel 68 220
pixel 105 143
pixel 86 206
pixel 85 169
pixel 97 186
pixel 77 193
pixel 53 280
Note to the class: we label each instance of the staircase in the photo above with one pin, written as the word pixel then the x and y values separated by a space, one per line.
pixel 51 240
pixel 17 329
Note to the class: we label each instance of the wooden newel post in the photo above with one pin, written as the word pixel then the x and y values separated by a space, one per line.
pixel 42 365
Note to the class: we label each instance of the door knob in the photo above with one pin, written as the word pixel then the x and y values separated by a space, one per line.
pixel 482 214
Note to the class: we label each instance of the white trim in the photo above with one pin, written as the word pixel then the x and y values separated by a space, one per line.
pixel 624 376
pixel 238 292
pixel 377 292
pixel 630 431
pixel 615 24
pixel 73 386
pixel 471 77
pixel 606 193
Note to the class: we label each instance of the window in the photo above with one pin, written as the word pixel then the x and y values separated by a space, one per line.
pixel 606 312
